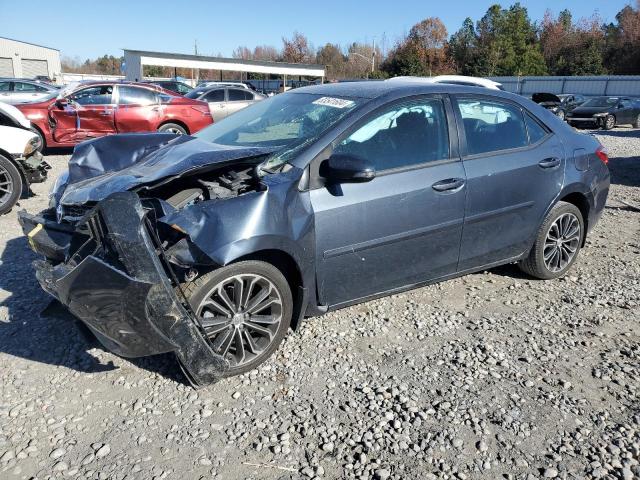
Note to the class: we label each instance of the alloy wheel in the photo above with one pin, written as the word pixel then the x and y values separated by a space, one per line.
pixel 6 186
pixel 241 316
pixel 562 242
pixel 177 131
pixel 610 122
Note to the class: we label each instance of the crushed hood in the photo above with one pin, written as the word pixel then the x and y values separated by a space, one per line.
pixel 125 162
pixel 546 98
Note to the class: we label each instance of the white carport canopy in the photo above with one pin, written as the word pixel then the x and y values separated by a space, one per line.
pixel 136 59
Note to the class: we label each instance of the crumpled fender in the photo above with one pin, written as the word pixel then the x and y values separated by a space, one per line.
pixel 277 218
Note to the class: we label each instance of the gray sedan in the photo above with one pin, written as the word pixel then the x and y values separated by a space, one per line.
pixel 17 90
pixel 223 101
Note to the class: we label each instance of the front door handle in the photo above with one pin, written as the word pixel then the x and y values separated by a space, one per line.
pixel 106 113
pixel 549 162
pixel 448 184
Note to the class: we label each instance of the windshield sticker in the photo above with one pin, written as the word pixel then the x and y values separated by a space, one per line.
pixel 333 102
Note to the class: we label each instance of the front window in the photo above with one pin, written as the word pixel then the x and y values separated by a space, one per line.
pixel 196 93
pixel 410 133
pixel 601 102
pixel 100 95
pixel 285 122
pixel 27 87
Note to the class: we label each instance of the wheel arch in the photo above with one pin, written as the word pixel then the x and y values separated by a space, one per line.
pixel 584 203
pixel 177 122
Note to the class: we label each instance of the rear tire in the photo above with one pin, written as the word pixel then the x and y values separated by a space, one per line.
pixel 172 128
pixel 557 243
pixel 230 306
pixel 10 185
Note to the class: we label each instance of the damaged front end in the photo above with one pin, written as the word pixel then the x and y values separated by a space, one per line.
pixel 108 270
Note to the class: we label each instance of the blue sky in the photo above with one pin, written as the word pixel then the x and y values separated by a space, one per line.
pixel 88 29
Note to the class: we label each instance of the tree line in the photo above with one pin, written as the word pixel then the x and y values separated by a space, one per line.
pixel 504 42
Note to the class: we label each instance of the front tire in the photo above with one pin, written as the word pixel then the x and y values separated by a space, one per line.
pixel 560 114
pixel 245 309
pixel 10 185
pixel 172 128
pixel 636 124
pixel 609 122
pixel 557 243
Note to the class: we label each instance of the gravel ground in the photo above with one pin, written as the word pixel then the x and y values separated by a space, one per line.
pixel 488 376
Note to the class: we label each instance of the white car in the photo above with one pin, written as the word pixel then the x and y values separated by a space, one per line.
pixel 20 162
pixel 455 80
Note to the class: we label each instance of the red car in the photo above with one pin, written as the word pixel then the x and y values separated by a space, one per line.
pixel 102 108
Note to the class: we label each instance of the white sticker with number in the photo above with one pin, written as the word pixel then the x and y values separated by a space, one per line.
pixel 334 102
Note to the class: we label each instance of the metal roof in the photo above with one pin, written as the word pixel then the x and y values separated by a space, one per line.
pixel 29 43
pixel 219 63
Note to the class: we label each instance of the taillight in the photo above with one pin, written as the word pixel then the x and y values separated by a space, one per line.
pixel 204 110
pixel 602 155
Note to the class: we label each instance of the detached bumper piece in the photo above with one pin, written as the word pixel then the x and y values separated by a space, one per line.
pixel 113 280
pixel 34 167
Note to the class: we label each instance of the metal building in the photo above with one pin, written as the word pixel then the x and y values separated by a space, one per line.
pixel 136 59
pixel 587 85
pixel 27 60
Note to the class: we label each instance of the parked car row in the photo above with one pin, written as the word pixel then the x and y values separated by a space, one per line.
pixel 96 109
pixel 604 112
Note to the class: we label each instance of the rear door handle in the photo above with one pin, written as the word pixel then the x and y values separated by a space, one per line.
pixel 106 113
pixel 549 162
pixel 448 184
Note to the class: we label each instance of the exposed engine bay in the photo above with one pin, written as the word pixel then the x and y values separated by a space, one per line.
pixel 218 184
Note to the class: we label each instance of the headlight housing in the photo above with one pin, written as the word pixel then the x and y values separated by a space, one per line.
pixel 31 146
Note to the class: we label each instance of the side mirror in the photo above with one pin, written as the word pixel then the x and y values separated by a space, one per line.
pixel 347 168
pixel 62 102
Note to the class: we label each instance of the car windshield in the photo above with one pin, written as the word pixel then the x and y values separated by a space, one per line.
pixel 288 122
pixel 196 93
pixel 601 102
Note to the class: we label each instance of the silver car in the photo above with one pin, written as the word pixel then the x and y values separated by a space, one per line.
pixel 223 101
pixel 18 90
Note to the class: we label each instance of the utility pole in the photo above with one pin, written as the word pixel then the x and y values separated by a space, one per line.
pixel 373 56
pixel 195 51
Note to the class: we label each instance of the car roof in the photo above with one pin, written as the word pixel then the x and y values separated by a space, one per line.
pixel 400 87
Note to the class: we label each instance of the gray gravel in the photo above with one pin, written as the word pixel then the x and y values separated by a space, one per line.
pixel 488 376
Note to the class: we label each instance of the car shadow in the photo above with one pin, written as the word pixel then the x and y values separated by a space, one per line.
pixel 57 151
pixel 625 170
pixel 35 327
pixel 619 132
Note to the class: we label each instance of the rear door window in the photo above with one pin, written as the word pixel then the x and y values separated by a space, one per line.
pixel 536 131
pixel 5 86
pixel 492 125
pixel 236 94
pixel 136 96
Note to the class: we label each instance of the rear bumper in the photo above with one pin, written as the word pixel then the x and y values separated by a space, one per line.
pixel 120 289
